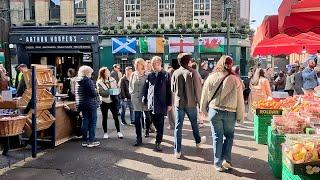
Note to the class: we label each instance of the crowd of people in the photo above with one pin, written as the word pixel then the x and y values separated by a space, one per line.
pixel 151 93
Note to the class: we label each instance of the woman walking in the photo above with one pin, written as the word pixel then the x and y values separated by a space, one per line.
pixel 136 89
pixel 260 86
pixel 87 103
pixel 222 95
pixel 106 84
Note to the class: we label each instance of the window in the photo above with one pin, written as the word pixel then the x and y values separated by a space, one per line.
pixel 166 12
pixel 202 12
pixel 29 12
pixel 132 12
pixel 54 9
pixel 80 9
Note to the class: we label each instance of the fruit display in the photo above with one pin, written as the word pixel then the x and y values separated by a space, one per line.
pixel 273 104
pixel 291 123
pixel 302 149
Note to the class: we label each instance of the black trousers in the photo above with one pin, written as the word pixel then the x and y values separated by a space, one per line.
pixel 158 121
pixel 148 120
pixel 114 110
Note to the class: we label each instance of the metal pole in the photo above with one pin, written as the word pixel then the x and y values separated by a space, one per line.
pixel 228 8
pixel 53 112
pixel 34 113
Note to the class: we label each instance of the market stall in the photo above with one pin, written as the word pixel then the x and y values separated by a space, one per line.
pixel 46 116
pixel 299 117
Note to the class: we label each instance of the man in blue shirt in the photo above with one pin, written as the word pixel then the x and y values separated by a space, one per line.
pixel 309 75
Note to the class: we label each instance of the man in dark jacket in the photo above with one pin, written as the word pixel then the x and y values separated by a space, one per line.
pixel 125 96
pixel 22 84
pixel 298 81
pixel 157 96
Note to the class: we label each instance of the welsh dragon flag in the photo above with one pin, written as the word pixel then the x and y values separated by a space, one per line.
pixel 211 44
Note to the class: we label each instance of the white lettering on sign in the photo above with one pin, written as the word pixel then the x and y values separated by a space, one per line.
pixel 56 39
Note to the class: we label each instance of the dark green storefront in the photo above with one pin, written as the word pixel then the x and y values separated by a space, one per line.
pixel 239 50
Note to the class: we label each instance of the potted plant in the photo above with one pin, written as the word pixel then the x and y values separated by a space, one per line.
pixel 223 27
pixel 162 26
pixel 138 26
pixel 196 25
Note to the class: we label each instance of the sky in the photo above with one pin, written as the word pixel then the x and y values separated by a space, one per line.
pixel 261 8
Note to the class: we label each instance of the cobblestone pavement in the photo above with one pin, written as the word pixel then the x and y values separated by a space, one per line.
pixel 118 159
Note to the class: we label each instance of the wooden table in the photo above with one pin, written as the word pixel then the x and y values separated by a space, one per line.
pixel 65 128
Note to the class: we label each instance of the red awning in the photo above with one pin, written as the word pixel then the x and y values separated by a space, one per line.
pixel 299 16
pixel 267 30
pixel 284 44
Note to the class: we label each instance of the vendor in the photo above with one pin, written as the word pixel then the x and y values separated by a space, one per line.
pixel 69 84
pixel 22 84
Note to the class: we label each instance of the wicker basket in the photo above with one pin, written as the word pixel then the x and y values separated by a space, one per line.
pixel 9 104
pixel 12 125
pixel 45 78
pixel 45 99
pixel 44 120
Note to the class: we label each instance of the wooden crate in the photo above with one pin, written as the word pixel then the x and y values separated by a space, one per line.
pixel 45 99
pixel 44 120
pixel 45 78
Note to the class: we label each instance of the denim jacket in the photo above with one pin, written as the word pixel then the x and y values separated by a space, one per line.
pixel 309 79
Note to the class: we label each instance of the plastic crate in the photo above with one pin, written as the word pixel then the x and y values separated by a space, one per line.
pixel 287 175
pixel 275 166
pixel 274 144
pixel 261 124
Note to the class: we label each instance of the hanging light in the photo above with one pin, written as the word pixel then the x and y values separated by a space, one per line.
pixel 304 50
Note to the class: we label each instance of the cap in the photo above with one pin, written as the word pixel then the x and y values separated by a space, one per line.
pixel 21 66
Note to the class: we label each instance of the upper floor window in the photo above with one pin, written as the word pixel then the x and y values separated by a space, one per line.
pixel 166 12
pixel 202 12
pixel 54 9
pixel 29 11
pixel 132 13
pixel 80 10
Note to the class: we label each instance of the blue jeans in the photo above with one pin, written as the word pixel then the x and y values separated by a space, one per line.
pixel 222 125
pixel 89 124
pixel 124 105
pixel 138 125
pixel 192 115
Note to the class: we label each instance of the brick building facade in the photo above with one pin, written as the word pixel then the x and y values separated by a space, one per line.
pixel 113 12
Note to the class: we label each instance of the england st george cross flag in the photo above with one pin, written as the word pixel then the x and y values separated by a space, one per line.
pixel 179 45
pixel 124 45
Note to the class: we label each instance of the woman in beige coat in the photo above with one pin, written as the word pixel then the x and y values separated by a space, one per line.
pixel 222 95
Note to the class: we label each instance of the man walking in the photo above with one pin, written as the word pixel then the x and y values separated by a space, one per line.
pixel 187 93
pixel 116 72
pixel 125 96
pixel 157 96
pixel 298 81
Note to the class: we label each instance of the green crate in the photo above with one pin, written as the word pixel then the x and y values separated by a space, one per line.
pixel 287 175
pixel 261 124
pixel 275 166
pixel 274 144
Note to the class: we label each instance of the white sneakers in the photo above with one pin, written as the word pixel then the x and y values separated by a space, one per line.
pixel 93 144
pixel 177 155
pixel 203 141
pixel 106 136
pixel 226 165
pixel 120 135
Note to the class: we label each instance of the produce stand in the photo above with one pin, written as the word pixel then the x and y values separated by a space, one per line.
pixel 299 117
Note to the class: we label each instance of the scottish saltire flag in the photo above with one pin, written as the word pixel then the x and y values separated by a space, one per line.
pixel 124 45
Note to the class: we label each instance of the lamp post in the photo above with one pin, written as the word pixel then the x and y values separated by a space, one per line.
pixel 228 8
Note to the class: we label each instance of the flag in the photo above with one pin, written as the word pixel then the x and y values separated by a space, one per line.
pixel 179 45
pixel 151 45
pixel 211 44
pixel 124 45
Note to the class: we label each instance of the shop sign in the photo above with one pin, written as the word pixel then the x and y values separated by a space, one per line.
pixel 35 39
pixel 87 57
pixel 58 47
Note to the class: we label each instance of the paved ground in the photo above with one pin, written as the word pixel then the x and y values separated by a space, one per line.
pixel 118 159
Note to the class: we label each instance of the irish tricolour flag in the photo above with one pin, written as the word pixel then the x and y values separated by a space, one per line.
pixel 211 44
pixel 151 45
